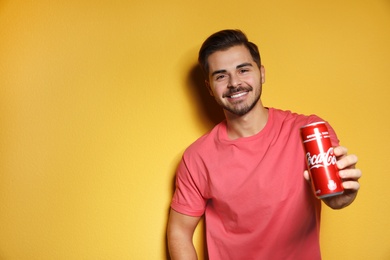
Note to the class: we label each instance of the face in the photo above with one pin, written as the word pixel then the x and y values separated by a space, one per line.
pixel 235 80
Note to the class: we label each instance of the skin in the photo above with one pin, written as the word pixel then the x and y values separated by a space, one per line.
pixel 235 81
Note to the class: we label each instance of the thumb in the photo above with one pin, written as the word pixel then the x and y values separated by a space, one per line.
pixel 306 175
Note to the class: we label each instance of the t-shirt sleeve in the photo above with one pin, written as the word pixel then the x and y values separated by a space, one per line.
pixel 187 198
pixel 333 137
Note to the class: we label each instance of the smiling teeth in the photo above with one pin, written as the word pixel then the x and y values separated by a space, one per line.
pixel 238 95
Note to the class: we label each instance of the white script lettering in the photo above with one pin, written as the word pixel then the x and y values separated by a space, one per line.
pixel 321 160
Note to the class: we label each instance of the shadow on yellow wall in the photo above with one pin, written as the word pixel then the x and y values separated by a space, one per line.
pixel 209 111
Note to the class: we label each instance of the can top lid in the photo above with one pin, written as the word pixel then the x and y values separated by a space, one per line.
pixel 312 124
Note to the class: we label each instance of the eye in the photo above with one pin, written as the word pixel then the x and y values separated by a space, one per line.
pixel 220 77
pixel 244 70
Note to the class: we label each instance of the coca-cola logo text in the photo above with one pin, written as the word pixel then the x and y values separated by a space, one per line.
pixel 322 159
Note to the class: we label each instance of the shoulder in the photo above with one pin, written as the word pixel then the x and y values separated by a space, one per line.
pixel 206 142
pixel 287 120
pixel 287 116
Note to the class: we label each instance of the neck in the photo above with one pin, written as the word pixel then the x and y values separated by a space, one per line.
pixel 247 125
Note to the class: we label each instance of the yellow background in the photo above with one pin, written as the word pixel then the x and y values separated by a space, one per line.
pixel 98 100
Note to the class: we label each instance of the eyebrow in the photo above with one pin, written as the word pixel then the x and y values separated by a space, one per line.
pixel 237 67
pixel 244 65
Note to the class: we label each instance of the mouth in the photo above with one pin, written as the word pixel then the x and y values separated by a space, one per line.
pixel 237 93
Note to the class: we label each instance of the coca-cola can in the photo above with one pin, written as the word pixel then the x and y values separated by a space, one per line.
pixel 321 161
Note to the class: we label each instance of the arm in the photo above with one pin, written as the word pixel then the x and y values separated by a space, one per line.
pixel 180 231
pixel 349 175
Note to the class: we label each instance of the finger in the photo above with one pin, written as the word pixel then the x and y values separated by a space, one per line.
pixel 347 161
pixel 340 151
pixel 351 185
pixel 351 174
pixel 306 175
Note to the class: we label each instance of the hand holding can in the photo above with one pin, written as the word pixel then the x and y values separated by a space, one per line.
pixel 321 161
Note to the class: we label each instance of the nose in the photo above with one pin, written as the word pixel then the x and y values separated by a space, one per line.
pixel 234 81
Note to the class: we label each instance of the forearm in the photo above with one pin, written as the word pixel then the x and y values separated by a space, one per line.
pixel 179 233
pixel 180 249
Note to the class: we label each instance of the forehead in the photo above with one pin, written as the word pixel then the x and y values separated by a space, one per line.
pixel 229 58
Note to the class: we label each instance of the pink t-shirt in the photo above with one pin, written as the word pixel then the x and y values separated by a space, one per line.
pixel 257 204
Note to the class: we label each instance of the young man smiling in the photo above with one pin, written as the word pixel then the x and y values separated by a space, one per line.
pixel 247 175
pixel 236 83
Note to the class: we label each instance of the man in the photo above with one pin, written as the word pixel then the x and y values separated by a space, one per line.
pixel 247 175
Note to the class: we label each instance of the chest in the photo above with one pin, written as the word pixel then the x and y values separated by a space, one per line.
pixel 256 169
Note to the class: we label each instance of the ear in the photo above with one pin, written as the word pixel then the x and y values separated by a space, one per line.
pixel 207 83
pixel 262 74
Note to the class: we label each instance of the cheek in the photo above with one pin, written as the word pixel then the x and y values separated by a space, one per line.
pixel 217 89
pixel 255 82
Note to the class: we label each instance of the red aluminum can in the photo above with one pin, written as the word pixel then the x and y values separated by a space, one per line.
pixel 321 161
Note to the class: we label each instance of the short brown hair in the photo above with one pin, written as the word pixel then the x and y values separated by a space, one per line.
pixel 224 40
